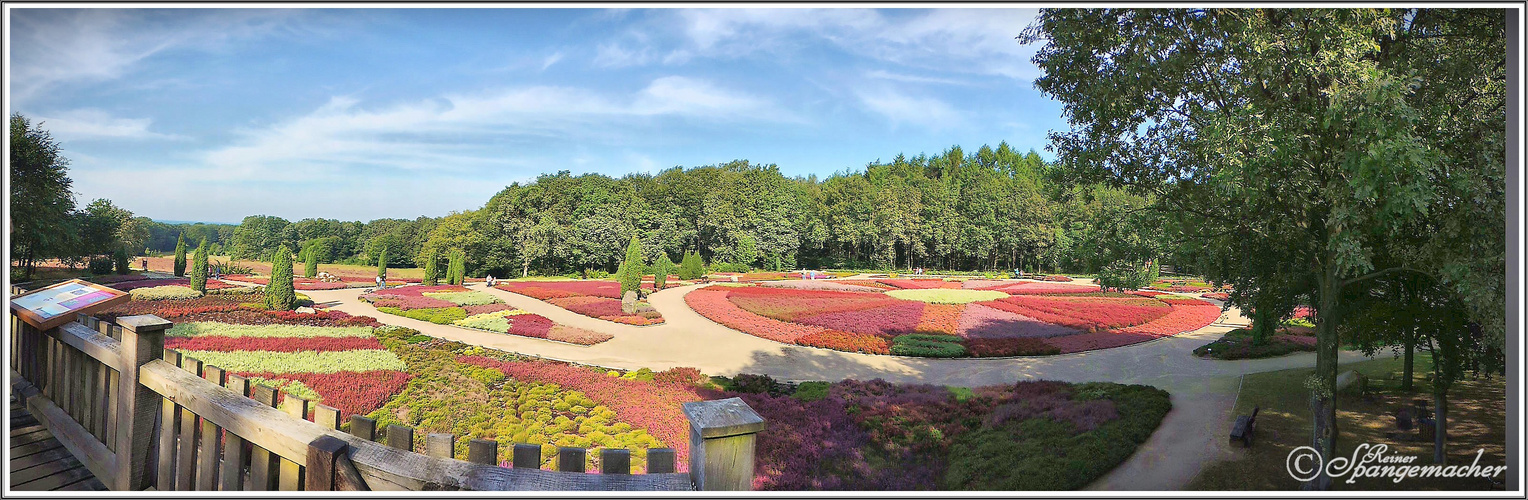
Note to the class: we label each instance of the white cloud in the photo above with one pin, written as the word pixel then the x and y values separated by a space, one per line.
pixel 902 109
pixel 616 55
pixel 550 60
pixel 467 132
pixel 51 47
pixel 89 123
pixel 887 75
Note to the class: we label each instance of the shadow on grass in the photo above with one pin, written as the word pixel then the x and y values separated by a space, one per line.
pixel 1476 421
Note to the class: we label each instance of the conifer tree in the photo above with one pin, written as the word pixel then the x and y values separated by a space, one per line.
pixel 199 267
pixel 382 264
pixel 632 268
pixel 431 273
pixel 310 263
pixel 279 294
pixel 180 255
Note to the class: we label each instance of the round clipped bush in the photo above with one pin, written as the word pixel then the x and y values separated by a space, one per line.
pixel 928 346
pixel 166 292
pixel 946 295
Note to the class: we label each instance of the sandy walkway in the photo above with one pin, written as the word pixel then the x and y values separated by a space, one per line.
pixel 1190 437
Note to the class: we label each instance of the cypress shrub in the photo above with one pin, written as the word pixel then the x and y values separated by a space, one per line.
pixel 279 295
pixel 661 270
pixel 382 264
pixel 431 274
pixel 631 272
pixel 199 268
pixel 310 263
pixel 691 266
pixel 180 255
pixel 456 267
pixel 120 258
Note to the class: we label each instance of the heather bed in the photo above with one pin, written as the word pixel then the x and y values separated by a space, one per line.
pixel 457 306
pixel 941 318
pixel 593 298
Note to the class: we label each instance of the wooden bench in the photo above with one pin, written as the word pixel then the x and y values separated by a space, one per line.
pixel 1245 426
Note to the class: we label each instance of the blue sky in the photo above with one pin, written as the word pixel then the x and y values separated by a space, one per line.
pixel 358 114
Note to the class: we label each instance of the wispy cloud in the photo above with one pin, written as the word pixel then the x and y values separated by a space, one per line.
pixel 902 109
pixel 550 60
pixel 881 74
pixel 463 132
pixel 85 124
pixel 618 55
pixel 62 46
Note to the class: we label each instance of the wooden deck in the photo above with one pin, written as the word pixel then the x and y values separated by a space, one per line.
pixel 39 462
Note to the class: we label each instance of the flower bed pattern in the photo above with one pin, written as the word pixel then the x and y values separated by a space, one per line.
pixel 455 305
pixel 1060 318
pixel 593 298
pixel 129 285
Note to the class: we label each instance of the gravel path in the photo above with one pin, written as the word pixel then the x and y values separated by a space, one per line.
pixel 1191 436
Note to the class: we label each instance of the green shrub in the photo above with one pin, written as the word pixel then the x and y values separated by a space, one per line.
pixel 811 391
pixel 729 267
pixel 199 268
pixel 119 257
pixel 382 264
pixel 632 269
pixel 167 292
pixel 661 269
pixel 180 255
pixel 438 315
pixel 928 346
pixel 310 263
pixel 456 267
pixel 691 267
pixel 101 265
pixel 431 274
pixel 279 294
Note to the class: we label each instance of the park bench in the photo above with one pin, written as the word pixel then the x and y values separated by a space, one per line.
pixel 1244 428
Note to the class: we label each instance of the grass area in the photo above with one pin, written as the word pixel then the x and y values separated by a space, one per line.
pixel 1237 344
pixel 167 264
pixel 1476 421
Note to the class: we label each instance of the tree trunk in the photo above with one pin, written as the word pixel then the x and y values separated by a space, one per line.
pixel 1324 402
pixel 1440 426
pixel 1406 371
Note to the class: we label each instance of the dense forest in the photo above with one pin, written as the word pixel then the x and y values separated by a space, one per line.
pixel 996 208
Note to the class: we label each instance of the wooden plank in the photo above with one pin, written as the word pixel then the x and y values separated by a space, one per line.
pixel 55 481
pixel 100 461
pixel 526 456
pixel 364 428
pixel 234 456
pixel 58 453
pixel 91 343
pixel 211 437
pixel 89 393
pixel 570 459
pixel 88 484
pixel 31 437
pixel 38 447
pixel 483 451
pixel 185 456
pixel 291 470
pixel 320 464
pixel 326 416
pixel 660 461
pixel 34 427
pixel 112 415
pixel 45 469
pixel 169 421
pixel 440 445
pixel 615 461
pixel 400 437
pixel 263 467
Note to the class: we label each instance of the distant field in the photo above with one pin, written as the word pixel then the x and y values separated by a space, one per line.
pixel 167 264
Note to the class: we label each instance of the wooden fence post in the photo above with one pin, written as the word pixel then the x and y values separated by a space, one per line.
pixel 142 342
pixel 721 444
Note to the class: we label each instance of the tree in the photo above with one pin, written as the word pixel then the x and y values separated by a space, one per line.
pixel 310 262
pixel 431 274
pixel 120 258
pixel 661 269
pixel 1321 132
pixel 382 264
pixel 691 267
pixel 456 267
pixel 180 255
pixel 41 201
pixel 258 235
pixel 279 293
pixel 632 268
pixel 199 267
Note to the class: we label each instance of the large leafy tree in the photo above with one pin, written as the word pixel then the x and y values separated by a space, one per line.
pixel 1319 133
pixel 41 203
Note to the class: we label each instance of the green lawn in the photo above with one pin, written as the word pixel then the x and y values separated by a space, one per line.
pixel 1477 421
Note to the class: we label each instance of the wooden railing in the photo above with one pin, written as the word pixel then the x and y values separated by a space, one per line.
pixel 140 416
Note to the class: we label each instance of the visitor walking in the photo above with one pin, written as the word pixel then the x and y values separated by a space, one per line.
pixel 380 284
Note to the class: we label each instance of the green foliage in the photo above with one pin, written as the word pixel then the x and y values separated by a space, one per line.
pixel 811 391
pixel 279 293
pixel 199 267
pixel 382 264
pixel 419 338
pixel 101 265
pixel 180 255
pixel 120 258
pixel 632 269
pixel 431 272
pixel 438 315
pixel 456 267
pixel 1045 454
pixel 690 267
pixel 310 263
pixel 661 270
pixel 927 345
pixel 41 201
pixel 1242 343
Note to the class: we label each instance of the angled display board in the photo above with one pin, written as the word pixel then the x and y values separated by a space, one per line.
pixel 49 307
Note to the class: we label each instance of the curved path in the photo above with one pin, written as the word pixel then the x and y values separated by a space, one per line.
pixel 1190 437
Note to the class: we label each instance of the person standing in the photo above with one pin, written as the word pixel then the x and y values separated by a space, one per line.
pixel 380 284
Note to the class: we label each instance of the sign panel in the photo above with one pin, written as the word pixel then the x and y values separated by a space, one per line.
pixel 49 307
